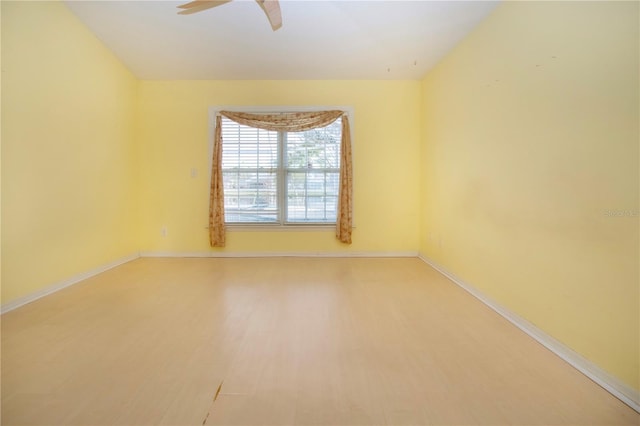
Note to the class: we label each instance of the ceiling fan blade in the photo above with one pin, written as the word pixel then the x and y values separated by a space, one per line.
pixel 272 9
pixel 199 5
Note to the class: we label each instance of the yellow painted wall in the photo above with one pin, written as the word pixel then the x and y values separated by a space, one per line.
pixel 68 153
pixel 529 138
pixel 530 142
pixel 173 132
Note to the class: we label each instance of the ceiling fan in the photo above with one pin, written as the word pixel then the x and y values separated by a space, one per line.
pixel 270 7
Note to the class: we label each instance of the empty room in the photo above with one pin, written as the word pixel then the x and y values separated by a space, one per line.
pixel 320 212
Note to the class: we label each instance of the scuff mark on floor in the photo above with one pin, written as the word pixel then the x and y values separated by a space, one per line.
pixel 218 391
pixel 212 402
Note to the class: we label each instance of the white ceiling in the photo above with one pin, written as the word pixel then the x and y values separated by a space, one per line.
pixel 321 40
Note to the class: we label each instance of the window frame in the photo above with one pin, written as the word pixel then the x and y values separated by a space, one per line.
pixel 281 225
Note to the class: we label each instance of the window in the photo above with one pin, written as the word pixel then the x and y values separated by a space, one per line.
pixel 284 178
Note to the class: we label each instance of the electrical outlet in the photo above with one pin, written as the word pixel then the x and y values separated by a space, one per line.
pixel 163 231
pixel 194 172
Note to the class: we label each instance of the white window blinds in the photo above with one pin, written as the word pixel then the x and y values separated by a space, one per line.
pixel 280 177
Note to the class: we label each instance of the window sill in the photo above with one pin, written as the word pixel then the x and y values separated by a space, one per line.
pixel 282 228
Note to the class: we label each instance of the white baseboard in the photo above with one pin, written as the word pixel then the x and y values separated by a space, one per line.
pixel 617 388
pixel 280 254
pixel 9 306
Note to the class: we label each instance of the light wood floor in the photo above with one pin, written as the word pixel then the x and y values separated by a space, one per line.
pixel 283 341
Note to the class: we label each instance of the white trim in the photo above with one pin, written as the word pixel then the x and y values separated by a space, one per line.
pixel 280 254
pixel 21 301
pixel 613 385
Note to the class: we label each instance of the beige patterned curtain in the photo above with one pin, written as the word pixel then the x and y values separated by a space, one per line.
pixel 216 197
pixel 345 195
pixel 283 122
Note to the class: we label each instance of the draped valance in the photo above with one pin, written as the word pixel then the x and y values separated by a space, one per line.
pixel 285 121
